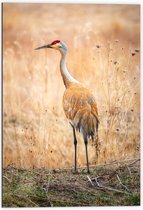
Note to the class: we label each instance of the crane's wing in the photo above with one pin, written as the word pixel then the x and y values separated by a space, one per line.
pixel 81 109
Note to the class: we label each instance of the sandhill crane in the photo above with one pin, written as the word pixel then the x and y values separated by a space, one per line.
pixel 78 103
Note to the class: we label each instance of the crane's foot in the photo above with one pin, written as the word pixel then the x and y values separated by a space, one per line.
pixel 75 172
pixel 88 171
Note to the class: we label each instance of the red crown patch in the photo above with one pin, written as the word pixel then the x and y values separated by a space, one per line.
pixel 56 41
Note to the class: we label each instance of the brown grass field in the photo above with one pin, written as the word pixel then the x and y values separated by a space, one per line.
pixel 103 53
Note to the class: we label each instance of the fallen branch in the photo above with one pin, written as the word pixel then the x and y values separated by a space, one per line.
pixel 134 161
pixel 108 188
pixel 93 179
pixel 124 186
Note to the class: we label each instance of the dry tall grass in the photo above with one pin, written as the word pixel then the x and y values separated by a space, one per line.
pixel 103 43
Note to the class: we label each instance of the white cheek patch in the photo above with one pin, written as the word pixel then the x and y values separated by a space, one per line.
pixel 56 46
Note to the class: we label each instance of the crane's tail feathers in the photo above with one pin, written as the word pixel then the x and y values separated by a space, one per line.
pixel 95 142
pixel 87 123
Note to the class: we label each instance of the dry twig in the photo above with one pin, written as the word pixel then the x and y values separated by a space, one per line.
pixel 129 170
pixel 7 179
pixel 90 180
pixel 46 186
pixel 134 161
pixel 124 186
pixel 102 187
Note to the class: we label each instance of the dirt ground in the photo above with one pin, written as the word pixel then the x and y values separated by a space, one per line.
pixel 116 185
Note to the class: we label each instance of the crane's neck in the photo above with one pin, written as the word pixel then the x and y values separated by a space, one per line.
pixel 67 78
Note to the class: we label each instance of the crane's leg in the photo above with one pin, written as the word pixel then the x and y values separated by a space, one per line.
pixel 86 144
pixel 75 144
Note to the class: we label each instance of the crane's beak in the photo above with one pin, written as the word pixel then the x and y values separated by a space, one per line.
pixel 42 47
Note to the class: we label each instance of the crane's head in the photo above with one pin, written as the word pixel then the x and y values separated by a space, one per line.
pixel 57 45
